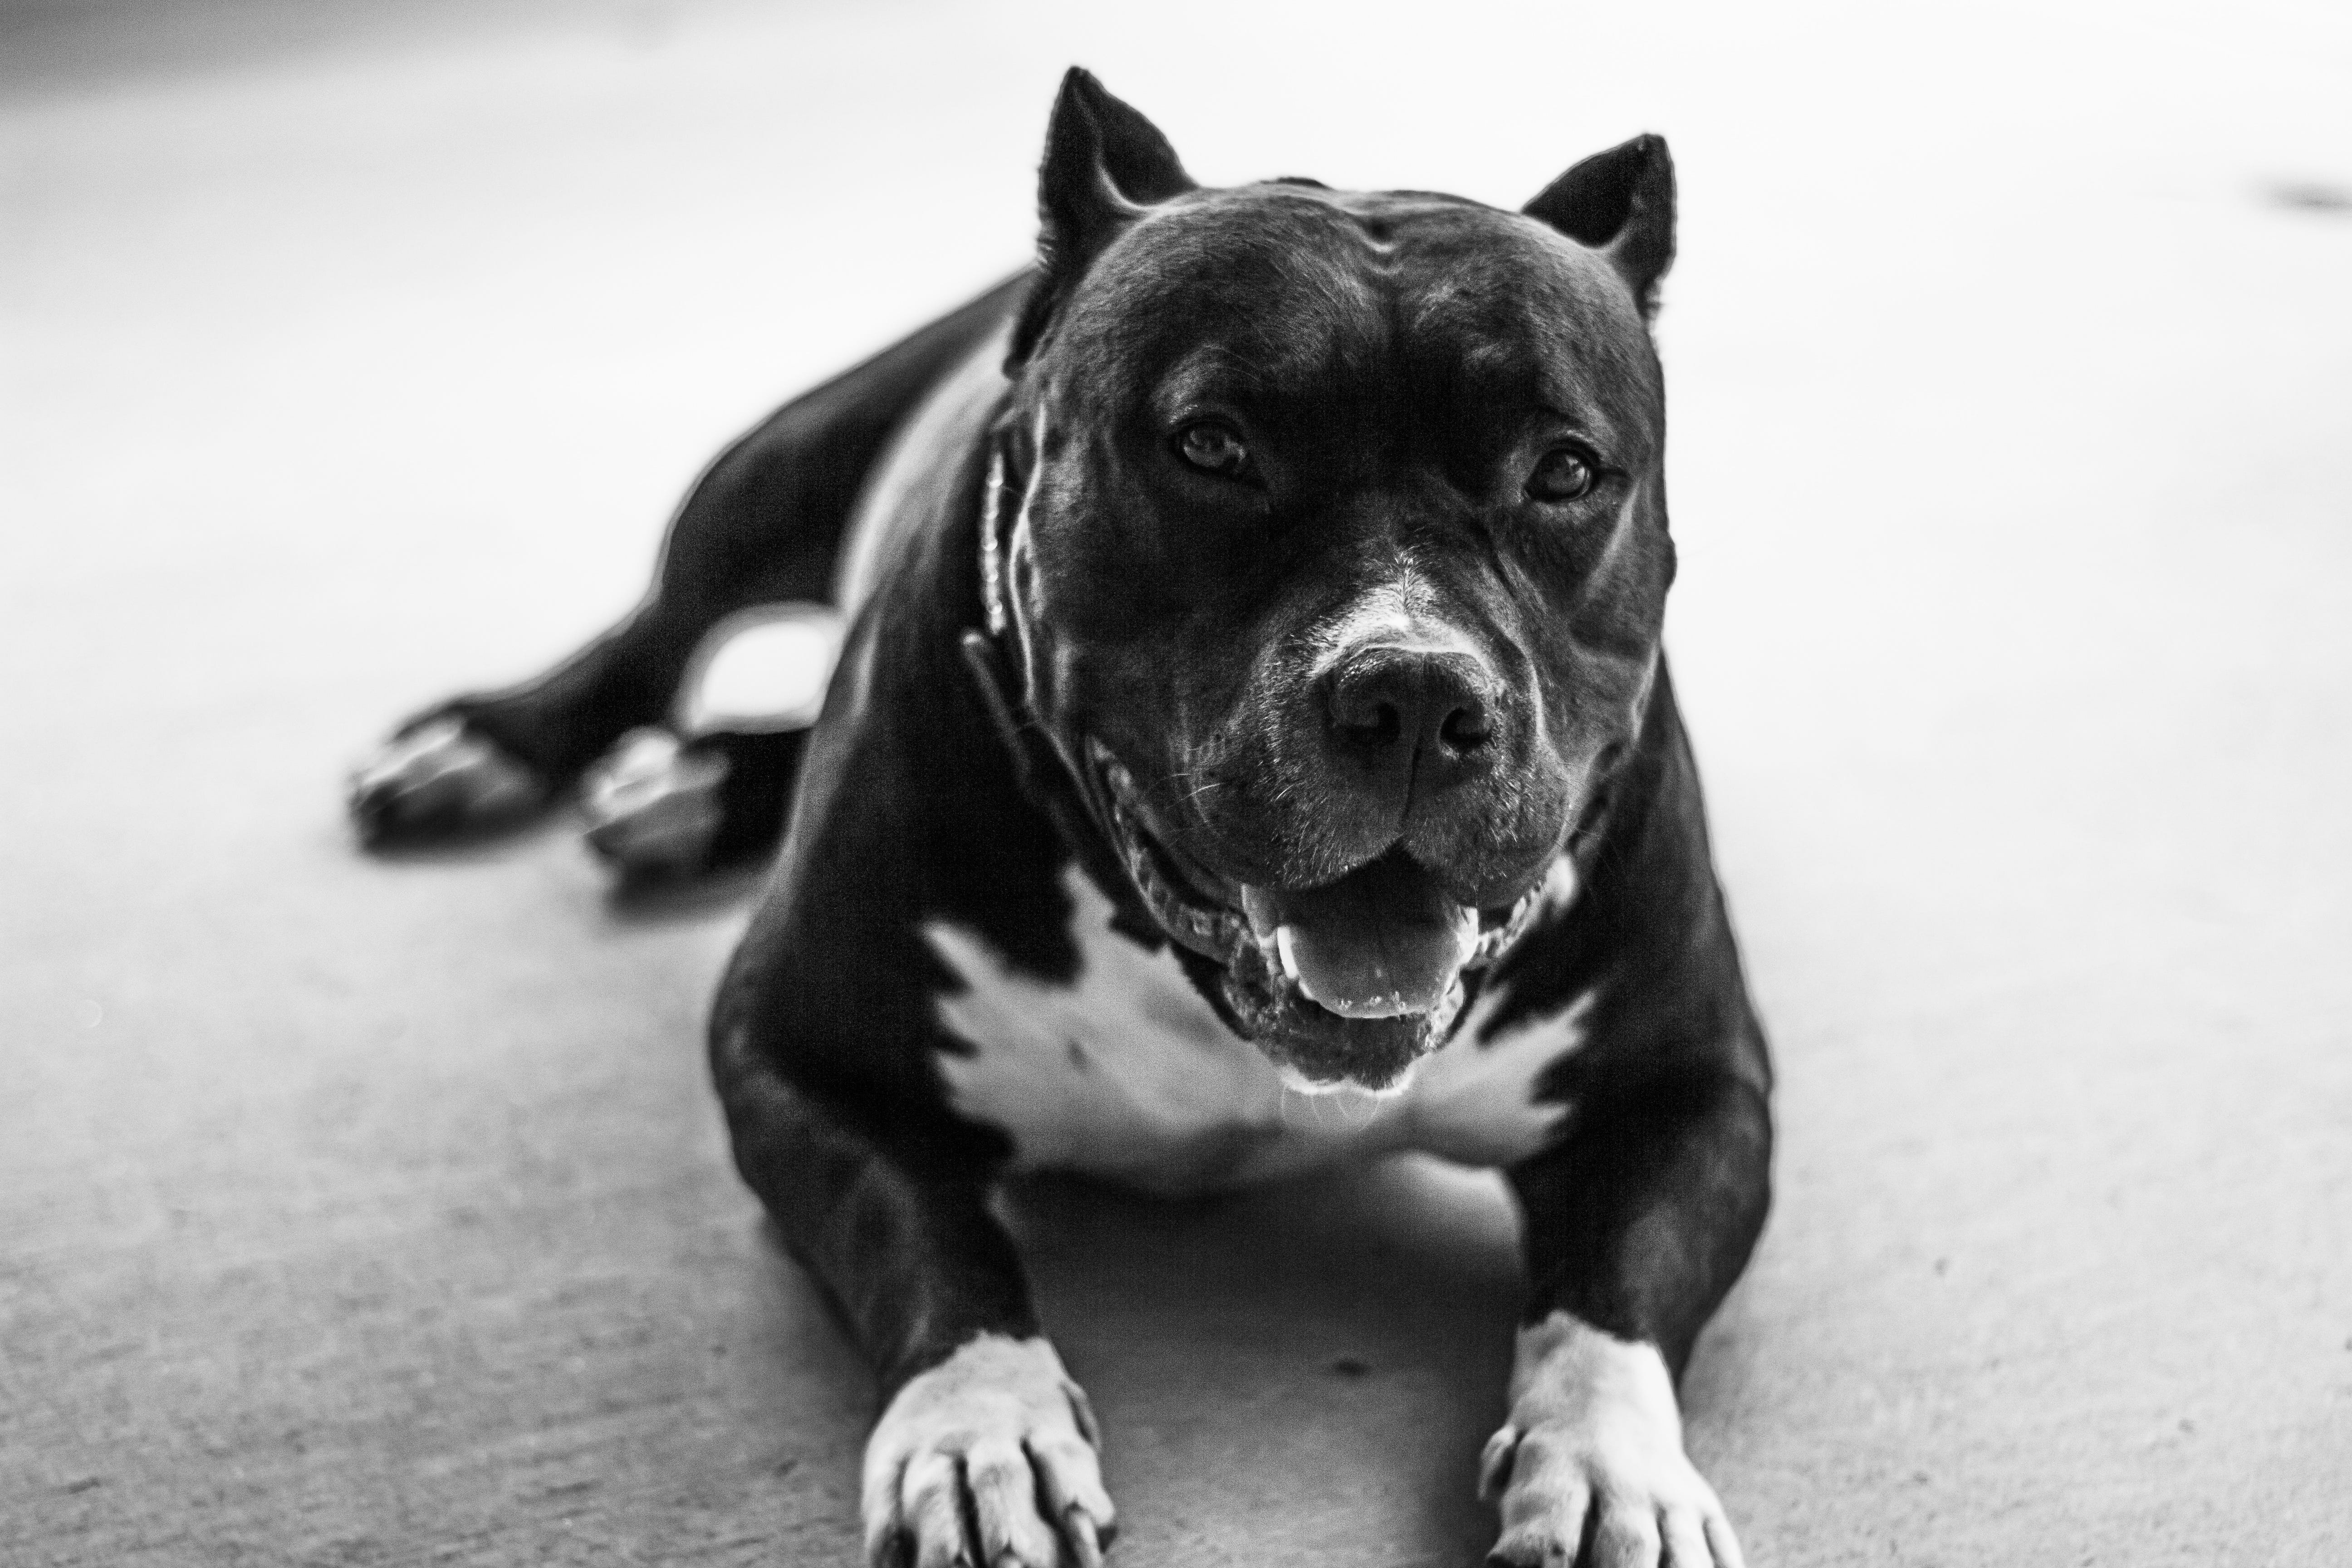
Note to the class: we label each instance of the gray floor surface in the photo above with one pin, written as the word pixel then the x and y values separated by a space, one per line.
pixel 359 1212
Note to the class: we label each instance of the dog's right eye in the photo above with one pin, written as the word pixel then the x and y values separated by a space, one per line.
pixel 1564 474
pixel 1212 448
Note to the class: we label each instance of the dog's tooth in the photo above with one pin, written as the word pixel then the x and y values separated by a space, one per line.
pixel 1448 1008
pixel 1281 948
pixel 1493 944
pixel 1259 906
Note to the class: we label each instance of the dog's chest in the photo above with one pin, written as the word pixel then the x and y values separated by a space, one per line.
pixel 1130 1073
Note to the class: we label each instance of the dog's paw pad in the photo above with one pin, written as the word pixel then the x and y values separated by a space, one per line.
pixel 439 779
pixel 652 807
pixel 988 1459
pixel 1590 1470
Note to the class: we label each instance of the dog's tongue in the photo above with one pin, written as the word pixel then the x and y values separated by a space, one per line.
pixel 1380 941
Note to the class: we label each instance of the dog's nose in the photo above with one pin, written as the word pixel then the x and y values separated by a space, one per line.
pixel 1409 708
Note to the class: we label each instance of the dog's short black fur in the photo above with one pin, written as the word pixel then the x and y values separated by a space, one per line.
pixel 1252 683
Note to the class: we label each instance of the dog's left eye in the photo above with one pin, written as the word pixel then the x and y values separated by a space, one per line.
pixel 1562 474
pixel 1212 448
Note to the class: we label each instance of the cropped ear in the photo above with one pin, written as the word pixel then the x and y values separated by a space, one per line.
pixel 1104 164
pixel 1620 201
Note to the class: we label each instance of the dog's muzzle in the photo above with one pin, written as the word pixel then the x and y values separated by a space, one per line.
pixel 1351 981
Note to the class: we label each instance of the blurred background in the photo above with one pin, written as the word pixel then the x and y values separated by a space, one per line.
pixel 378 1213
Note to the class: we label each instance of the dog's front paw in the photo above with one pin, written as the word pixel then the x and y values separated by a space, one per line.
pixel 439 779
pixel 1589 1466
pixel 653 806
pixel 987 1460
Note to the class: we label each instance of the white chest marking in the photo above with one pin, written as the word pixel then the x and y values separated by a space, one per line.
pixel 1128 1073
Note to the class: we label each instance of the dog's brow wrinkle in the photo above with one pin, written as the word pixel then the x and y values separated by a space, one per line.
pixel 1212 368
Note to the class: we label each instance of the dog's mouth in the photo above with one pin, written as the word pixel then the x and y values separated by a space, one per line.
pixel 1350 982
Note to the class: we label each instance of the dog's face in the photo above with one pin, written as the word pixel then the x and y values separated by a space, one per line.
pixel 1340 559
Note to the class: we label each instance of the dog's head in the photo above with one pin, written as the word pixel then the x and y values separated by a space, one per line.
pixel 1337 556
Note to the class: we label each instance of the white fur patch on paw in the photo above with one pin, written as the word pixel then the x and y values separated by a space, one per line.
pixel 987 1460
pixel 1589 1466
pixel 439 777
pixel 653 807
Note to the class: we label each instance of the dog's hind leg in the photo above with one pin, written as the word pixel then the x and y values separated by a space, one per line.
pixel 763 524
pixel 659 807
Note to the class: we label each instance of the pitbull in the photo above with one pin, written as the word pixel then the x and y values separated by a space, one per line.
pixel 1251 690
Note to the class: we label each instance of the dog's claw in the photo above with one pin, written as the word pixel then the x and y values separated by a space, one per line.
pixel 1495 1463
pixel 1087 1541
pixel 652 807
pixel 438 780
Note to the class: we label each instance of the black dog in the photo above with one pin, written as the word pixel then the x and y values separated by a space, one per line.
pixel 1252 689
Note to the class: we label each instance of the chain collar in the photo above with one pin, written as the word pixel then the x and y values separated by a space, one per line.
pixel 998 655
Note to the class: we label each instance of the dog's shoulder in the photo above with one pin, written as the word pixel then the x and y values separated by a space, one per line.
pixel 925 473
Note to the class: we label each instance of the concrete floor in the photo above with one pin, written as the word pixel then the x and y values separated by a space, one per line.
pixel 367 1213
